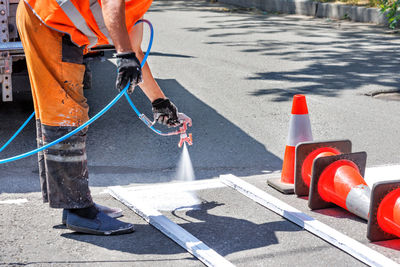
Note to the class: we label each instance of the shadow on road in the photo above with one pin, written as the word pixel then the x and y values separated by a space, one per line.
pixel 122 150
pixel 211 229
pixel 218 231
pixel 347 58
pixel 145 240
pixel 128 147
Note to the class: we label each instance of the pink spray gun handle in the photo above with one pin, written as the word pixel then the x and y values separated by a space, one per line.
pixel 184 137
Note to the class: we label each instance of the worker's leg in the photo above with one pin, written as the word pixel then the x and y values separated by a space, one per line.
pixel 56 71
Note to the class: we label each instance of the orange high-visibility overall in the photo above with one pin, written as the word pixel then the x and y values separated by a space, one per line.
pixel 54 34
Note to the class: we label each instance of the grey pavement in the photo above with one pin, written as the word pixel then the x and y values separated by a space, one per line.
pixel 235 74
pixel 248 234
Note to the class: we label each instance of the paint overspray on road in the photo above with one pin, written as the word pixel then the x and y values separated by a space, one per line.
pixel 172 196
pixel 185 173
pixel 183 199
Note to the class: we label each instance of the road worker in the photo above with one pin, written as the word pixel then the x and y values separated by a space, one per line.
pixel 55 34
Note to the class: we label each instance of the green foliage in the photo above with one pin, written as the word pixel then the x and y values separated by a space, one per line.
pixel 391 7
pixel 346 16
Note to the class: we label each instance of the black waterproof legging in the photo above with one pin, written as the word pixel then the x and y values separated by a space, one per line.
pixel 63 168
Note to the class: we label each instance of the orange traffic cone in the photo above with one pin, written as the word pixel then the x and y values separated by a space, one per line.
pixel 339 180
pixel 306 153
pixel 299 131
pixel 384 221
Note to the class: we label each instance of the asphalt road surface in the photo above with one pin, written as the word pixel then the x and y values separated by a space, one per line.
pixel 234 72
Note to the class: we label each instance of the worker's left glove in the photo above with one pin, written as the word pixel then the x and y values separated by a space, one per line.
pixel 129 70
pixel 165 112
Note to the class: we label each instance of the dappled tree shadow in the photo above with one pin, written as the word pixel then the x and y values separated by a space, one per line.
pixel 348 58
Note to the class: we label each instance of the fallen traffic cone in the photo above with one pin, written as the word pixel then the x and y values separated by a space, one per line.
pixel 384 213
pixel 306 153
pixel 339 180
pixel 299 131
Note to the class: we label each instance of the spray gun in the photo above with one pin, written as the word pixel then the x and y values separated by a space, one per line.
pixel 185 122
pixel 183 119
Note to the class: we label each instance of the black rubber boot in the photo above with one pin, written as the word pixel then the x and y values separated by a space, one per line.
pixel 110 211
pixel 102 224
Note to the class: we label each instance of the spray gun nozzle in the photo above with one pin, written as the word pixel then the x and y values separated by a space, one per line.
pixel 185 138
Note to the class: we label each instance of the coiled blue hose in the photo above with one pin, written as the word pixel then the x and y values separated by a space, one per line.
pixel 95 117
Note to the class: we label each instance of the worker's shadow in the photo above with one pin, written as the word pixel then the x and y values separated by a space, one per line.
pixel 224 234
pixel 227 235
pixel 122 146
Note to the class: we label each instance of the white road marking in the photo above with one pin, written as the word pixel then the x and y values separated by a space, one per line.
pixel 181 195
pixel 183 238
pixel 345 243
pixel 182 186
pixel 381 173
pixel 14 201
pixel 172 196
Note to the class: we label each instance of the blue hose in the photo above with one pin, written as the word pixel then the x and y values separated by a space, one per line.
pixel 17 132
pixel 141 115
pixel 98 115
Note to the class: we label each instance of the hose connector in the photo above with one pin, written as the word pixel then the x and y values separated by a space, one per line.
pixel 146 120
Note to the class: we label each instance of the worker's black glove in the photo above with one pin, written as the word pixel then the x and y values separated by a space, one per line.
pixel 165 112
pixel 129 70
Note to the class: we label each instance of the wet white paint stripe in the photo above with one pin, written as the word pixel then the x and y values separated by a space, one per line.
pixel 345 243
pixel 181 186
pixel 183 238
pixel 381 173
pixel 18 201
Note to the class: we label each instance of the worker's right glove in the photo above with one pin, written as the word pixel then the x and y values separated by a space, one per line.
pixel 129 70
pixel 165 112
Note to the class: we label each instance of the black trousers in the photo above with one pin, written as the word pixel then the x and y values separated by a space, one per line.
pixel 63 168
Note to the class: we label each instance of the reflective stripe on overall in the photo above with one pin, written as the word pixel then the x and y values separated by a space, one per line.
pixel 83 20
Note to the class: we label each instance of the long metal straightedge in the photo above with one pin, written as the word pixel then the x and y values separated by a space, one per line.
pixel 345 243
pixel 183 238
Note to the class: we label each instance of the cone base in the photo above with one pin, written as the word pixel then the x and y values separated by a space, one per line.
pixel 379 191
pixel 303 150
pixel 315 201
pixel 282 187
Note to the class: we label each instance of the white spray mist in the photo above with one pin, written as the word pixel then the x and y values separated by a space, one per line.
pixel 185 170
